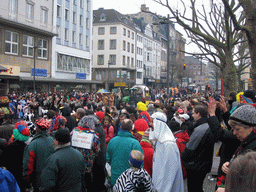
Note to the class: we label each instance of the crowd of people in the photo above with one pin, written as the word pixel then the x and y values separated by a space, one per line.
pixel 78 143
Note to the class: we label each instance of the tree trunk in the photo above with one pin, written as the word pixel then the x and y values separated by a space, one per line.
pixel 229 74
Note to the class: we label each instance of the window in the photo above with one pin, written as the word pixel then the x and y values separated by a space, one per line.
pixel 112 59
pixel 129 33
pixel 101 30
pixel 74 2
pixel 123 60
pixel 43 16
pixel 100 59
pixel 132 48
pixel 88 5
pixel 80 38
pixel 132 62
pixel 128 61
pixel 66 14
pixel 30 11
pixel 100 44
pixel 124 45
pixel 58 11
pixel 58 31
pixel 112 44
pixel 66 34
pixel 13 9
pixel 42 48
pixel 112 30
pixel 28 46
pixel 73 36
pixel 81 20
pixel 132 35
pixel 74 17
pixel 128 47
pixel 124 32
pixel 87 23
pixel 11 42
pixel 81 3
pixel 87 41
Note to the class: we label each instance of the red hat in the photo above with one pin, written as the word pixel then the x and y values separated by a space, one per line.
pixel 42 124
pixel 141 125
pixel 100 114
pixel 180 111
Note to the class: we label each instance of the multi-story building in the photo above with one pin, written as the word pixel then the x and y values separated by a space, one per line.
pixel 72 52
pixel 26 33
pixel 114 40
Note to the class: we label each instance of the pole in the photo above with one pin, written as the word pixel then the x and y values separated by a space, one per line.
pixel 168 55
pixel 34 75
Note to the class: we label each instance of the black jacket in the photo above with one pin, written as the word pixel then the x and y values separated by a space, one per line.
pixel 198 154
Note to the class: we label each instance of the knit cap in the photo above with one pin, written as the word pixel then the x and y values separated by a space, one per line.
pixel 141 106
pixel 141 125
pixel 246 114
pixel 62 135
pixel 21 131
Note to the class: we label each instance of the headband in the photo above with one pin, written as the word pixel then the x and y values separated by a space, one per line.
pixel 135 162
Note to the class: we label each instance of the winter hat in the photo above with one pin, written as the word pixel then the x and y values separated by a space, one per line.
pixel 180 111
pixel 136 158
pixel 140 125
pixel 62 135
pixel 141 106
pixel 21 131
pixel 56 122
pixel 185 116
pixel 246 114
pixel 250 94
pixel 42 124
pixel 100 114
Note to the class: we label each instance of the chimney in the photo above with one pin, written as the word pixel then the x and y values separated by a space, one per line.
pixel 143 7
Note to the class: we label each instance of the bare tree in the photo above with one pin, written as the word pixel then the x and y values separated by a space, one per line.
pixel 214 33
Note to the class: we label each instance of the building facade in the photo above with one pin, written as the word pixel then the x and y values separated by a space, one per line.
pixel 26 33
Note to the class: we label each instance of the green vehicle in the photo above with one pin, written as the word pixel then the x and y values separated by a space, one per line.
pixel 130 95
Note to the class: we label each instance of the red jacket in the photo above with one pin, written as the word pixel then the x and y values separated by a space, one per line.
pixel 182 139
pixel 110 132
pixel 148 156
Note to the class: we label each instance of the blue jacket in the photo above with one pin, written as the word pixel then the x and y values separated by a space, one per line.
pixel 8 182
pixel 118 153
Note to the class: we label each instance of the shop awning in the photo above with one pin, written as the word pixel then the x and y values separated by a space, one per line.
pixel 55 80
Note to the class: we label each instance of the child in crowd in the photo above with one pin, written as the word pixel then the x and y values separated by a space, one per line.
pixel 135 178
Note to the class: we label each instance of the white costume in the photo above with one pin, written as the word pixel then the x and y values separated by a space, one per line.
pixel 167 172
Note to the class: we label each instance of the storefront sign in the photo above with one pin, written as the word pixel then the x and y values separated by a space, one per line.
pixel 120 84
pixel 81 75
pixel 82 139
pixel 11 70
pixel 39 72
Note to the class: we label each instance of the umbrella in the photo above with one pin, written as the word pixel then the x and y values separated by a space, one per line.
pixel 102 91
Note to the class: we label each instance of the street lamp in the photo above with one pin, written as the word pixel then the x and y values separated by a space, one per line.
pixel 167 22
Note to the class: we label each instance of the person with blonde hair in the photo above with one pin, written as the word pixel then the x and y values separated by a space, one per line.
pixel 136 178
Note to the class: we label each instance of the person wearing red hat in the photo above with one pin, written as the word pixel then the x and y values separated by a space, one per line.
pixel 36 154
pixel 12 156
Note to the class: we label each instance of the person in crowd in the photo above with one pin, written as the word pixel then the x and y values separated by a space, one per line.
pixel 36 153
pixel 89 154
pixel 119 121
pixel 99 113
pixel 99 160
pixel 80 113
pixel 64 169
pixel 14 152
pixel 140 126
pixel 148 150
pixel 250 94
pixel 119 148
pixel 167 171
pixel 71 121
pixel 50 114
pixel 8 181
pixel 198 154
pixel 58 122
pixel 135 178
pixel 108 128
pixel 242 174
pixel 242 122
pixel 89 119
pixel 142 108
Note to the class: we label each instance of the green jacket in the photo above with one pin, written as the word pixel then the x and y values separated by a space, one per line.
pixel 118 153
pixel 63 171
pixel 35 156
